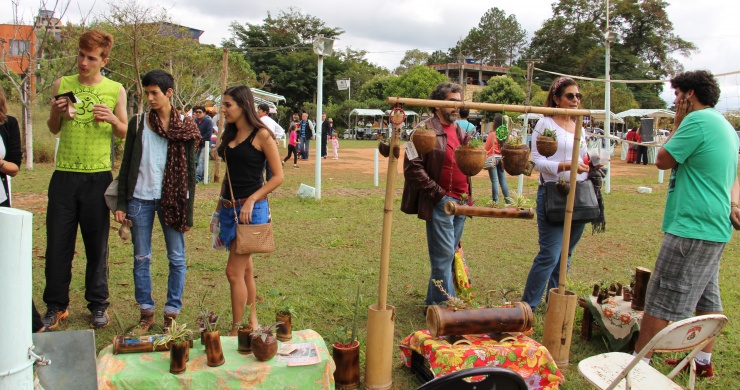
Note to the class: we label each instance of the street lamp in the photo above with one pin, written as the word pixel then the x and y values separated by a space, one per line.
pixel 322 46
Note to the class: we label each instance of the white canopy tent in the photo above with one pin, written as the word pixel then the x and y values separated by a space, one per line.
pixel 355 132
pixel 600 116
pixel 648 112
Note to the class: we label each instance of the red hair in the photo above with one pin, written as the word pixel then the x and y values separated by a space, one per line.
pixel 97 39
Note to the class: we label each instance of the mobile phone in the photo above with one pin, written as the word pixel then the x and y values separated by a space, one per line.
pixel 69 95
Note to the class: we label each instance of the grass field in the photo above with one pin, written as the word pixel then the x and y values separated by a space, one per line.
pixel 326 248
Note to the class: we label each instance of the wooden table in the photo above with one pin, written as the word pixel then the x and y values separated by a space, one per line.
pixel 588 325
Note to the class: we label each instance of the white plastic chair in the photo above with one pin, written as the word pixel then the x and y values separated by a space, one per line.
pixel 617 370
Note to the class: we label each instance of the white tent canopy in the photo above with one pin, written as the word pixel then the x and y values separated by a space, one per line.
pixel 600 116
pixel 366 112
pixel 531 116
pixel 649 112
pixel 408 113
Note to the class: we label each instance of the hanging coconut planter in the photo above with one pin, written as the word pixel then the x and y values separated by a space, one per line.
pixel 264 343
pixel 515 158
pixel 424 140
pixel 470 158
pixel 547 143
pixel 385 149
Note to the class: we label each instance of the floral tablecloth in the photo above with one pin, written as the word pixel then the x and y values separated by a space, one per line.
pixel 617 318
pixel 151 370
pixel 522 355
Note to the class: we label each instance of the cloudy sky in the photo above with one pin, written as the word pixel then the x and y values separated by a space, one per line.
pixel 387 28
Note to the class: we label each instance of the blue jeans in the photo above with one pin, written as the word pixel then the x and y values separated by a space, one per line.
pixel 141 214
pixel 443 233
pixel 498 176
pixel 545 270
pixel 200 165
pixel 305 145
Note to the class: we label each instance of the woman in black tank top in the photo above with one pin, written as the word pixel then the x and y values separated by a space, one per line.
pixel 245 146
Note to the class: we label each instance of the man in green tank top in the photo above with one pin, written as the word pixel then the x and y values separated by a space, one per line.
pixel 85 123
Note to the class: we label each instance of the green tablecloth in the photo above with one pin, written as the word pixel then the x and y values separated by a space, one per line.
pixel 151 370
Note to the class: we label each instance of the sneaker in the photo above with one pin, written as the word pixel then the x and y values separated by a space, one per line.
pixel 702 370
pixel 296 166
pixel 146 320
pixel 53 316
pixel 282 162
pixel 168 317
pixel 99 319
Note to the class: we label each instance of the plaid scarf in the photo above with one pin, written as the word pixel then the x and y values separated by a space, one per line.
pixel 175 182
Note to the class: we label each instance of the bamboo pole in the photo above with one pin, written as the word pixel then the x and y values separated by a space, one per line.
pixel 221 119
pixel 452 208
pixel 568 222
pixel 487 106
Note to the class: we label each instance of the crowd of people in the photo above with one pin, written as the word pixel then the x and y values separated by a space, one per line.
pixel 164 156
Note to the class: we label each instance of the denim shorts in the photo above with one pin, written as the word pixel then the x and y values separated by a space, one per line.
pixel 227 223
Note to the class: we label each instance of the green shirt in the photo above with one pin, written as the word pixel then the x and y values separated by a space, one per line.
pixel 84 144
pixel 698 205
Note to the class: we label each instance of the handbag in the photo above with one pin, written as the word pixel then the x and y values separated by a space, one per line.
pixel 250 238
pixel 490 163
pixel 585 207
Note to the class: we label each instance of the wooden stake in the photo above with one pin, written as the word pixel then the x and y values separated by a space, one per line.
pixel 568 222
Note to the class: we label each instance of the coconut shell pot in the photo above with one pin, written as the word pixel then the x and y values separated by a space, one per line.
pixel 347 361
pixel 214 353
pixel 515 158
pixel 470 159
pixel 423 140
pixel 546 146
pixel 266 349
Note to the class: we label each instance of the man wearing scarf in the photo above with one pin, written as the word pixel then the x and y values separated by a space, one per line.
pixel 157 176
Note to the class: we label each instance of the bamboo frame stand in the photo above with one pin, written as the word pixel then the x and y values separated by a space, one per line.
pixel 558 337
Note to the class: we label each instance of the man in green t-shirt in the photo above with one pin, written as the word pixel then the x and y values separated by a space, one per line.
pixel 86 120
pixel 703 193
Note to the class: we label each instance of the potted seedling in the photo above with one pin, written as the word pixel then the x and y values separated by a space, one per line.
pixel 264 343
pixel 212 340
pixel 470 158
pixel 423 139
pixel 177 338
pixel 547 143
pixel 284 315
pixel 346 354
pixel 515 156
pixel 244 333
pixel 518 201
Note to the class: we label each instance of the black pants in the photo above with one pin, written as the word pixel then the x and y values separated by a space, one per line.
pixel 323 145
pixel 642 155
pixel 292 150
pixel 77 198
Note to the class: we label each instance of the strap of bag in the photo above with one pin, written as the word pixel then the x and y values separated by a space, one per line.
pixel 231 190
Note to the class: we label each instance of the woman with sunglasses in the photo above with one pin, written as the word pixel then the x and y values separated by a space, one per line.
pixel 545 270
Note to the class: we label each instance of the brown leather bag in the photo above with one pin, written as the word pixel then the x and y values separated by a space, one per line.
pixel 251 238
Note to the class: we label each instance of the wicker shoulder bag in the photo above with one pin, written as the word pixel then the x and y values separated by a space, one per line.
pixel 251 238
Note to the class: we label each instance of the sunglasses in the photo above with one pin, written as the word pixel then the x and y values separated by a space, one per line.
pixel 573 96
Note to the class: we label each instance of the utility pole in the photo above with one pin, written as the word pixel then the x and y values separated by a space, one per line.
pixel 221 120
pixel 525 128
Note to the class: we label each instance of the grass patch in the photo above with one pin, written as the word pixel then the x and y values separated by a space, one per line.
pixel 325 248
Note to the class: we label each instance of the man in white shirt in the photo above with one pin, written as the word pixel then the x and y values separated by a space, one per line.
pixel 263 110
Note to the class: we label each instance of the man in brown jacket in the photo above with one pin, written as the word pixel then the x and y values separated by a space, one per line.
pixel 433 179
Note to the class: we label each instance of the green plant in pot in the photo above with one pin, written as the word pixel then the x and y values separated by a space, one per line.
pixel 212 340
pixel 471 157
pixel 346 353
pixel 244 333
pixel 284 314
pixel 264 343
pixel 177 337
pixel 547 143
pixel 423 139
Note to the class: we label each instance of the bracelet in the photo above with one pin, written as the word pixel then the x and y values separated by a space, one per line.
pixel 732 204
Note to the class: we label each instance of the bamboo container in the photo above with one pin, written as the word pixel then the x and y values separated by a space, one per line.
pixel 444 322
pixel 452 208
pixel 642 277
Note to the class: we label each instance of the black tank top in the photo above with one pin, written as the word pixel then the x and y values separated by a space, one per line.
pixel 245 164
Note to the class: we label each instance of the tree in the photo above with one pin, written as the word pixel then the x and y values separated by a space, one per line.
pixel 496 41
pixel 38 58
pixel 572 41
pixel 439 57
pixel 413 57
pixel 281 47
pixel 593 96
pixel 375 87
pixel 418 82
pixel 500 90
